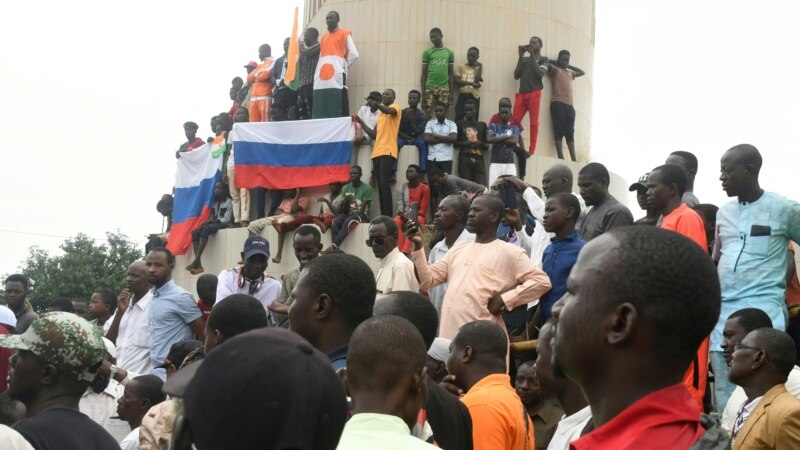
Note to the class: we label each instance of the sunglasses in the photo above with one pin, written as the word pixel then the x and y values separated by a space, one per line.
pixel 377 240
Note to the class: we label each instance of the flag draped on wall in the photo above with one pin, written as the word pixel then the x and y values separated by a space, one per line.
pixel 285 155
pixel 197 173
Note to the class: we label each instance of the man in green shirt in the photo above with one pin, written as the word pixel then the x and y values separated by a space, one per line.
pixel 437 72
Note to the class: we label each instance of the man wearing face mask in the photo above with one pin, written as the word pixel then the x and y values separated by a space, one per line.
pixel 250 278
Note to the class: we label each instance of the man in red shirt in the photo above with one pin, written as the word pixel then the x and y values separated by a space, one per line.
pixel 640 300
pixel 409 194
pixel 665 187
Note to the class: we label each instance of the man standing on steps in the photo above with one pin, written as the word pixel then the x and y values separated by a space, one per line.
pixel 261 93
pixel 529 72
pixel 689 163
pixel 337 53
pixel 437 74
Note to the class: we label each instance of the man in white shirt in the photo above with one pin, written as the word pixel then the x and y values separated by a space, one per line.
pixel 99 401
pixel 440 135
pixel 369 114
pixel 388 388
pixel 250 278
pixel 130 327
pixel 139 396
pixel 396 271
pixel 450 218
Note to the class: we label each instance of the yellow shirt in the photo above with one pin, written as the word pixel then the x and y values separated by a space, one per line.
pixel 386 133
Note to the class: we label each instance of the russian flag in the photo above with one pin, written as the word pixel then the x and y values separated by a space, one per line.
pixel 290 154
pixel 197 173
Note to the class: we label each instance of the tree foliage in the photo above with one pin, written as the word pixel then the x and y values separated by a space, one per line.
pixel 84 267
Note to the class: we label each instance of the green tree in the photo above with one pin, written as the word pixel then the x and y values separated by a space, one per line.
pixel 84 267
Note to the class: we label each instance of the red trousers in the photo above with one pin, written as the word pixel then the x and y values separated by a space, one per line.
pixel 528 102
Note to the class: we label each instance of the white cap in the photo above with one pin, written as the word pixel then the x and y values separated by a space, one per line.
pixel 111 349
pixel 440 349
pixel 7 316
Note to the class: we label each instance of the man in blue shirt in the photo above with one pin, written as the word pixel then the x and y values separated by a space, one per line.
pixel 173 314
pixel 752 235
pixel 560 214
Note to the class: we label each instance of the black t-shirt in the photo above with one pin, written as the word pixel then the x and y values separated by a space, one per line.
pixel 449 419
pixel 480 133
pixel 528 80
pixel 65 429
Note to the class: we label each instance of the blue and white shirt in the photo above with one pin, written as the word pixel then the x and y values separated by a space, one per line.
pixel 751 249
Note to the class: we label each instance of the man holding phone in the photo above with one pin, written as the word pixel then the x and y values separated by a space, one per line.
pixel 529 72
pixel 412 200
pixel 485 277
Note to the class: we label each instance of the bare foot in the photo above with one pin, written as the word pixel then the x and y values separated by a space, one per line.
pixel 197 269
pixel 190 267
pixel 276 259
pixel 329 249
pixel 245 223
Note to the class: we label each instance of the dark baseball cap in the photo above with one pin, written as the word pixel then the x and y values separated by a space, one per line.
pixel 300 400
pixel 375 95
pixel 251 65
pixel 255 245
pixel 178 352
pixel 641 184
pixel 190 125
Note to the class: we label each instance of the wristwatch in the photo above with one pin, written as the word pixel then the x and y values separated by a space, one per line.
pixel 114 370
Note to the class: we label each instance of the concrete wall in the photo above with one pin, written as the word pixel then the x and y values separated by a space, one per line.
pixel 391 35
pixel 223 249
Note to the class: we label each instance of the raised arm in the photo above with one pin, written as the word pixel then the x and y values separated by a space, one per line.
pixel 578 72
pixel 429 275
pixel 518 70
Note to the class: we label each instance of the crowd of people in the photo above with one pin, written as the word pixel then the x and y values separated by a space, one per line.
pixel 533 318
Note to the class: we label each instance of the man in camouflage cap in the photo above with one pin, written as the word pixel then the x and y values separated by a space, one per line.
pixel 56 359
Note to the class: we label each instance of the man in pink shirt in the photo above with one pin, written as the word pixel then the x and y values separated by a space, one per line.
pixel 485 277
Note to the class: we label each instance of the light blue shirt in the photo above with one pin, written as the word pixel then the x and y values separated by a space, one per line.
pixel 441 151
pixel 368 431
pixel 171 311
pixel 751 247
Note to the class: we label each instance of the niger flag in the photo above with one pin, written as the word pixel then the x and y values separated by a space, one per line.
pixel 329 75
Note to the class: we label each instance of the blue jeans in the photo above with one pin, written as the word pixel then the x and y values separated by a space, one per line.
pixel 419 142
pixel 722 387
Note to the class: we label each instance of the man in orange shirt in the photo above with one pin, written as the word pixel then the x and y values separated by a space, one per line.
pixel 665 187
pixel 477 365
pixel 384 151
pixel 261 93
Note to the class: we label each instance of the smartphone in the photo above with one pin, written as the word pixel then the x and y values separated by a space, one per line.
pixel 509 196
pixel 413 212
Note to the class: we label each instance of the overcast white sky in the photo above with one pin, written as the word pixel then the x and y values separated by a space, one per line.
pixel 93 95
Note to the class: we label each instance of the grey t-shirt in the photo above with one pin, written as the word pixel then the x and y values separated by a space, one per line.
pixel 604 217
pixel 690 199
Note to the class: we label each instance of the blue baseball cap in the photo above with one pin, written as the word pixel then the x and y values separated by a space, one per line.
pixel 255 245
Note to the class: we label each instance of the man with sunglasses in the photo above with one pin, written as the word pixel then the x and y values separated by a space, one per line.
pixel 395 270
pixel 770 417
pixel 738 325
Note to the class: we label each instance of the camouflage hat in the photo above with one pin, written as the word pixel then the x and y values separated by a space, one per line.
pixel 68 342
